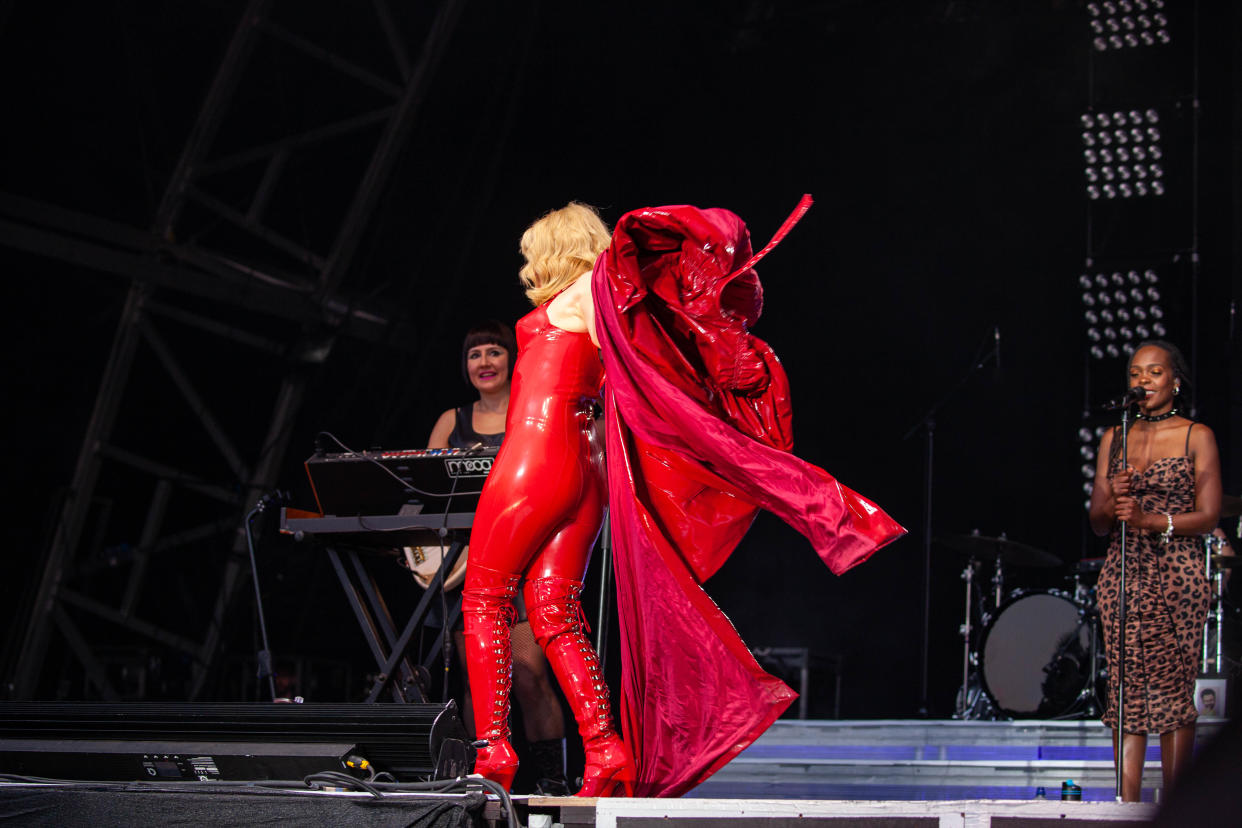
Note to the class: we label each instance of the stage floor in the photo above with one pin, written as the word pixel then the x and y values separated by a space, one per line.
pixel 727 813
pixel 929 760
pixel 861 773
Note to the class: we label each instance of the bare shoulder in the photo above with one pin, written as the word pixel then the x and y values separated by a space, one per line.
pixel 1202 438
pixel 572 310
pixel 580 290
pixel 442 429
pixel 1106 440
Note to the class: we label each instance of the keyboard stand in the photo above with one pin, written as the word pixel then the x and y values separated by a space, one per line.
pixel 340 537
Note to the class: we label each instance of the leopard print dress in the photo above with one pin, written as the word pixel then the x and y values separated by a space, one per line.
pixel 1167 600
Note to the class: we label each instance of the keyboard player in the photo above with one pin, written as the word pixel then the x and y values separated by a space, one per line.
pixel 487 358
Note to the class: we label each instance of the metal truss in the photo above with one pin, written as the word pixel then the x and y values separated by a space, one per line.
pixel 212 270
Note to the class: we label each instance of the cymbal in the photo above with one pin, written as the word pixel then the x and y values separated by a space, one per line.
pixel 1226 561
pixel 1230 506
pixel 1087 566
pixel 1006 551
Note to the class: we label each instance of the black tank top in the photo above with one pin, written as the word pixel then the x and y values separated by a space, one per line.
pixel 464 436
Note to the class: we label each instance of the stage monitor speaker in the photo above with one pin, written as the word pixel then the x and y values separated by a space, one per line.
pixel 216 742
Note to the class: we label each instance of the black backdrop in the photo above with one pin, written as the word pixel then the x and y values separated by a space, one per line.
pixel 940 140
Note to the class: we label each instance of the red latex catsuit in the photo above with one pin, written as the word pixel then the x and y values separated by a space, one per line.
pixel 538 516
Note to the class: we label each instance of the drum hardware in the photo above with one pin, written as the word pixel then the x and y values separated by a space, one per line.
pixel 1079 573
pixel 1040 657
pixel 973 701
pixel 1088 566
pixel 1215 564
pixel 998 581
pixel 964 700
pixel 1088 704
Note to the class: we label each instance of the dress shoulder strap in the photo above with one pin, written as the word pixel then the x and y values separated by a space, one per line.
pixel 1186 450
pixel 463 435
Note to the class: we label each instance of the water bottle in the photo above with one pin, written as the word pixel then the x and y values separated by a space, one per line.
pixel 1070 792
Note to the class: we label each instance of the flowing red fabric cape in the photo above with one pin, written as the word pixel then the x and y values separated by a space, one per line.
pixel 699 438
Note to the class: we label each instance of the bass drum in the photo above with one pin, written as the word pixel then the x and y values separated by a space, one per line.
pixel 1038 656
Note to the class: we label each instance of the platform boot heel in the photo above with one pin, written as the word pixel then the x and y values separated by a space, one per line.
pixel 554 607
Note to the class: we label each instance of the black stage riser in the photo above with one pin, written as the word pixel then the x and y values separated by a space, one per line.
pixel 210 742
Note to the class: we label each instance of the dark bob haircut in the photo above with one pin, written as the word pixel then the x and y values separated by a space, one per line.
pixel 490 332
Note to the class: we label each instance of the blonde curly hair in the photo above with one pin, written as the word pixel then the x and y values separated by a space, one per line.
pixel 559 247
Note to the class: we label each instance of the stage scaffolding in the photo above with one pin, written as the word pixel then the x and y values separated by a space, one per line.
pixel 214 272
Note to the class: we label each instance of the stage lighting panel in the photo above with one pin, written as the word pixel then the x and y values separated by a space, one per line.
pixel 1121 148
pixel 1121 308
pixel 1087 441
pixel 1118 26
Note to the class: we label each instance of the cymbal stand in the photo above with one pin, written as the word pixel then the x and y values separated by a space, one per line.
pixel 1082 592
pixel 998 582
pixel 1216 618
pixel 927 424
pixel 968 575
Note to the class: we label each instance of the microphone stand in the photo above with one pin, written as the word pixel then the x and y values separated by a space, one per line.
pixel 264 656
pixel 928 424
pixel 1121 620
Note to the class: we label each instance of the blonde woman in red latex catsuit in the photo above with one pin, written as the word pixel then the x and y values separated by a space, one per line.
pixel 542 506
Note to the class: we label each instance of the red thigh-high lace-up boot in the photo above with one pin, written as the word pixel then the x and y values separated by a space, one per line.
pixel 487 609
pixel 554 607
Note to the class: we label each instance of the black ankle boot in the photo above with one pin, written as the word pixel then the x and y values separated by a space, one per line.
pixel 547 759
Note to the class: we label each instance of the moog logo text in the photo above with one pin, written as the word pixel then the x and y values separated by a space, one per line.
pixel 468 466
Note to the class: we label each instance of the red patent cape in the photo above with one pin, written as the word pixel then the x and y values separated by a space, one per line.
pixel 699 438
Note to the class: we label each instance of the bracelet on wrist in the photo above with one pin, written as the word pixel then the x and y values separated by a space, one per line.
pixel 1168 531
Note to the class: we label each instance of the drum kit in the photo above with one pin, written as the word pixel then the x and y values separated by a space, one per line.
pixel 1039 653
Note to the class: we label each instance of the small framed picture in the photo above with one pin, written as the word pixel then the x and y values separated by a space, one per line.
pixel 1210 698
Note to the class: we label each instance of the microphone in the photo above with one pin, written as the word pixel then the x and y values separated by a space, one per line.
pixel 1126 400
